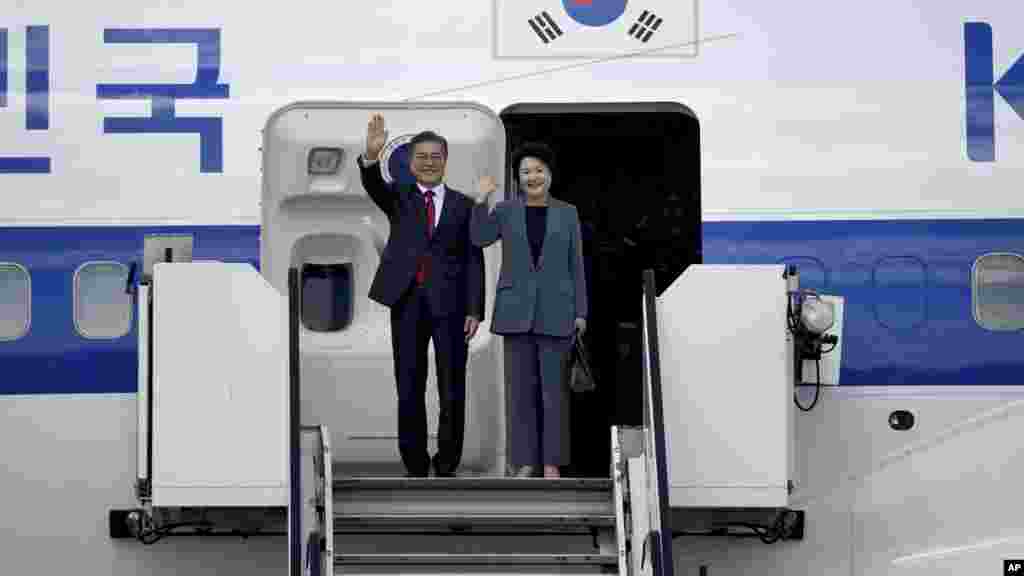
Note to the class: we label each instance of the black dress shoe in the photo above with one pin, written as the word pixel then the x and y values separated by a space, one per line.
pixel 440 473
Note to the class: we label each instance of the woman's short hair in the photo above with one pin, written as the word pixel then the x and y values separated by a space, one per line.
pixel 534 150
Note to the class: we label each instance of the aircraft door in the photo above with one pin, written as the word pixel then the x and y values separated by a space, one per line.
pixel 317 217
pixel 632 169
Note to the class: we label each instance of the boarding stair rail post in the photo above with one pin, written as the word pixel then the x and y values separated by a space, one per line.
pixel 295 555
pixel 316 556
pixel 320 545
pixel 142 294
pixel 144 319
pixel 660 538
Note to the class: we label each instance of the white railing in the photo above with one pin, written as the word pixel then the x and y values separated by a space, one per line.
pixel 320 542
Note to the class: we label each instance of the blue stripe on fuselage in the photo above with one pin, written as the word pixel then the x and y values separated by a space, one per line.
pixel 53 357
pixel 907 287
pixel 908 318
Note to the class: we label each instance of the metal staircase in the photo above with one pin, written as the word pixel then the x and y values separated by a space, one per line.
pixel 458 524
pixel 492 525
pixel 469 525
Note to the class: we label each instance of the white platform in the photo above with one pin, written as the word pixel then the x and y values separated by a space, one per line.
pixel 220 387
pixel 727 386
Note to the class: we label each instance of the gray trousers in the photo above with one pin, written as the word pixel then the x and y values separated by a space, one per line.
pixel 534 366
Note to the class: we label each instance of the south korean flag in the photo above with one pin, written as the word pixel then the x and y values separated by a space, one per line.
pixel 595 28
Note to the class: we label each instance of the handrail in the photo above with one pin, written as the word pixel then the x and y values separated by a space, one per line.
pixel 294 444
pixel 323 534
pixel 662 562
pixel 323 502
pixel 327 481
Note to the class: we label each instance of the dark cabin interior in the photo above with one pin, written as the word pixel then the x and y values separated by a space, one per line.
pixel 633 172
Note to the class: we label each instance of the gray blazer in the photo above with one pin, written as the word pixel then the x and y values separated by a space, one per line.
pixel 546 298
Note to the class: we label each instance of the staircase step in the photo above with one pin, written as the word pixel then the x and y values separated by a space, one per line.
pixel 392 498
pixel 472 522
pixel 476 559
pixel 471 543
pixel 474 483
pixel 464 524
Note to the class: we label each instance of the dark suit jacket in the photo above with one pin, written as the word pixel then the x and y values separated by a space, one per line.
pixel 548 297
pixel 456 284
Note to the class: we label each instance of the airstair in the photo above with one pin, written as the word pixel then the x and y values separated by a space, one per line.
pixel 221 428
pixel 494 525
pixel 465 525
pixel 623 524
pixel 341 524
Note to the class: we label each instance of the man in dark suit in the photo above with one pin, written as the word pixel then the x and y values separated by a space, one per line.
pixel 432 278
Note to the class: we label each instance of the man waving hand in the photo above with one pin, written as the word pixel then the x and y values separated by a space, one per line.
pixel 432 278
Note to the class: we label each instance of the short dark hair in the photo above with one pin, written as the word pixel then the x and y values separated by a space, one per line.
pixel 429 136
pixel 536 150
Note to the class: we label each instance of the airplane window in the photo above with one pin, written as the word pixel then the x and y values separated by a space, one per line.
pixel 103 310
pixel 326 297
pixel 15 301
pixel 900 283
pixel 998 290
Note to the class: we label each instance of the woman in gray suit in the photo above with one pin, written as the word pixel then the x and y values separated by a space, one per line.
pixel 541 299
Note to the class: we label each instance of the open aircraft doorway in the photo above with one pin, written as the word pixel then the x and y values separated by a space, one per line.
pixel 631 169
pixel 633 172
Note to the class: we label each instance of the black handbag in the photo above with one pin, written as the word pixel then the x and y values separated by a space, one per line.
pixel 581 378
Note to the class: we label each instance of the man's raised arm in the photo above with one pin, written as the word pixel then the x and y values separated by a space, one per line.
pixel 369 173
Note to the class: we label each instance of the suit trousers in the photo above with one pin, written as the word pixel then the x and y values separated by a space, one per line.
pixel 413 326
pixel 534 366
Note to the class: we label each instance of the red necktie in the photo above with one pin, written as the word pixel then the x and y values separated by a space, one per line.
pixel 421 270
pixel 429 194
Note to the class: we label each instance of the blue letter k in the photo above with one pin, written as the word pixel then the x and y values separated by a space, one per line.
pixel 980 89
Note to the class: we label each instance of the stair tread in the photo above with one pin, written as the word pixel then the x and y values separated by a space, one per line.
pixel 473 517
pixel 541 523
pixel 476 558
pixel 473 483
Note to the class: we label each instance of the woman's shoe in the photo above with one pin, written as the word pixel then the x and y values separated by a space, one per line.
pixel 525 472
pixel 551 472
